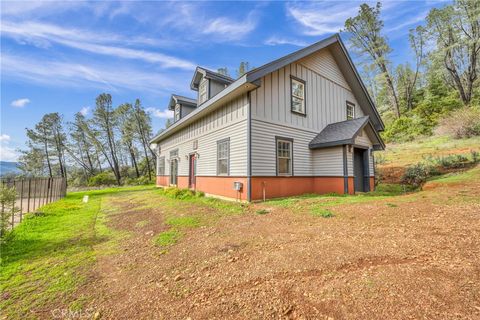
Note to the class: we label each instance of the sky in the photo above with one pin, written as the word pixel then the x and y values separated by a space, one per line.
pixel 59 56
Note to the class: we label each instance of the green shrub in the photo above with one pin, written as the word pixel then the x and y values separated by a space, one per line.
pixel 183 194
pixel 475 156
pixel 8 208
pixel 199 194
pixel 461 123
pixel 417 174
pixel 102 179
pixel 406 129
pixel 140 181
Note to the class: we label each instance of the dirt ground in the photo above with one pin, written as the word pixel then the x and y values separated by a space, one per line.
pixel 414 256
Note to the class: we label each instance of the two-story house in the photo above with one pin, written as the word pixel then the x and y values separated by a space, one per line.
pixel 303 123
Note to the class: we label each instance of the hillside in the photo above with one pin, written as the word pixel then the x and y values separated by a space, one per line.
pixel 392 162
pixel 8 167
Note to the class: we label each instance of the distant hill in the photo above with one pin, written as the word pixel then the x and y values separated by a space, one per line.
pixel 8 167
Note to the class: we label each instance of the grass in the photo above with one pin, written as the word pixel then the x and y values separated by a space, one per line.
pixel 412 152
pixel 321 212
pixel 47 257
pixel 262 211
pixel 167 238
pixel 183 222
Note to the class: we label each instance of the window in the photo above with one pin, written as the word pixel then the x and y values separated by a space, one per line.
pixel 177 112
pixel 297 87
pixel 202 91
pixel 161 166
pixel 350 111
pixel 284 156
pixel 223 157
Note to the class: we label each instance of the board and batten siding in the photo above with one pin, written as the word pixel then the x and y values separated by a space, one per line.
pixel 229 121
pixel 327 93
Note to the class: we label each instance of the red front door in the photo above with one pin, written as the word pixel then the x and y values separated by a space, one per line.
pixel 192 171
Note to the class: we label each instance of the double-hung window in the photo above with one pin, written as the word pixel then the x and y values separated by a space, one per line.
pixel 161 166
pixel 177 112
pixel 284 157
pixel 223 157
pixel 350 111
pixel 297 90
pixel 202 91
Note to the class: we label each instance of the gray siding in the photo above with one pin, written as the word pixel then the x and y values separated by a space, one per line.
pixel 215 88
pixel 229 121
pixel 326 95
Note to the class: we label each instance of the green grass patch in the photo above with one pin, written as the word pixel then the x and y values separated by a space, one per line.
pixel 45 258
pixel 392 205
pixel 167 238
pixel 141 224
pixel 262 211
pixel 321 212
pixel 183 222
pixel 458 177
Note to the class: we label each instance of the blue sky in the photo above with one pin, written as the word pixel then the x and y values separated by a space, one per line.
pixel 58 56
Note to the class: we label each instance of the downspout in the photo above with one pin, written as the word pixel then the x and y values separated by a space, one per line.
pixel 345 170
pixel 249 149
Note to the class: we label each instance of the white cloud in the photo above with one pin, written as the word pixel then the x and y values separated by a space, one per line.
pixel 42 35
pixel 84 111
pixel 75 74
pixel 229 29
pixel 319 18
pixel 7 153
pixel 162 114
pixel 275 41
pixel 20 103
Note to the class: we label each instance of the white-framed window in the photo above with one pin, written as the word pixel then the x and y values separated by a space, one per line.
pixel 350 111
pixel 284 156
pixel 297 87
pixel 202 91
pixel 177 112
pixel 223 157
pixel 161 166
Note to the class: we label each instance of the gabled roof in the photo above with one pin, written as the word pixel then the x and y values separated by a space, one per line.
pixel 175 98
pixel 345 132
pixel 344 62
pixel 251 79
pixel 209 74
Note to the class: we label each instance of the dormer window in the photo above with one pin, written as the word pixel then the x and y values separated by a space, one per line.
pixel 350 111
pixel 202 92
pixel 177 113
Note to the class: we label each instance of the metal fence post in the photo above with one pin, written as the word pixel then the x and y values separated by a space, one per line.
pixel 29 193
pixel 21 202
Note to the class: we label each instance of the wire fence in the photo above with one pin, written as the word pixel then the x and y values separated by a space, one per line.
pixel 31 194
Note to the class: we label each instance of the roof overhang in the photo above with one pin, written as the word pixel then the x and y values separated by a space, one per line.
pixel 239 87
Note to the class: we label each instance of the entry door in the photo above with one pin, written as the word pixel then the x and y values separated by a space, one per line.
pixel 192 172
pixel 173 171
pixel 359 169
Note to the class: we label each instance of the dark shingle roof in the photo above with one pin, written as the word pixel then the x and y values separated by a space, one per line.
pixel 175 98
pixel 338 133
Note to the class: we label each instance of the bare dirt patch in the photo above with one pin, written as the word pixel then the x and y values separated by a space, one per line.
pixel 413 256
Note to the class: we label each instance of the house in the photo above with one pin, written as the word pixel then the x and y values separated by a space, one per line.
pixel 303 123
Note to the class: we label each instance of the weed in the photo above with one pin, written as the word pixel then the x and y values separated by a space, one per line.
pixel 392 205
pixel 142 223
pixel 322 212
pixel 262 211
pixel 167 238
pixel 183 222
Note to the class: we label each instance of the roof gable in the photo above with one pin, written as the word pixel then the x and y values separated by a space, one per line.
pixel 215 76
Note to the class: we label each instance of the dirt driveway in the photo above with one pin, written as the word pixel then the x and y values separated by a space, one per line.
pixel 414 256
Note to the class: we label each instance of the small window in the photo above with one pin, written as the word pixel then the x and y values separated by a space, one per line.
pixel 284 157
pixel 202 91
pixel 177 112
pixel 298 95
pixel 350 111
pixel 223 157
pixel 161 166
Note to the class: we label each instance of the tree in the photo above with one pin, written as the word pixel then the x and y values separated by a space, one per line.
pixel 81 144
pixel 243 68
pixel 127 128
pixel 223 71
pixel 32 161
pixel 40 139
pixel 367 38
pixel 144 132
pixel 104 122
pixel 456 31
